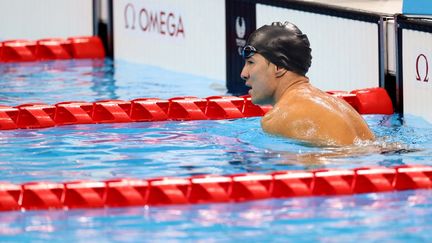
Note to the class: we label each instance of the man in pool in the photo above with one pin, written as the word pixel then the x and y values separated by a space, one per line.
pixel 277 58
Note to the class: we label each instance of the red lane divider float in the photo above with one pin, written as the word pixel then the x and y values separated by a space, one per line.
pixel 367 101
pixel 51 49
pixel 212 188
pixel 38 115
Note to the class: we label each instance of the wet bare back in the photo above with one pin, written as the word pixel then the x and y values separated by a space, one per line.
pixel 309 114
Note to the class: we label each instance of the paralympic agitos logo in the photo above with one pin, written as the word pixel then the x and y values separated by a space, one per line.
pixel 168 23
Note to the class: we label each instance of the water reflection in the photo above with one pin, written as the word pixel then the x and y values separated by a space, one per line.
pixel 312 218
pixel 103 81
pixel 55 81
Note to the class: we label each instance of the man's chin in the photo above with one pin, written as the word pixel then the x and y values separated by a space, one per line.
pixel 256 101
pixel 253 97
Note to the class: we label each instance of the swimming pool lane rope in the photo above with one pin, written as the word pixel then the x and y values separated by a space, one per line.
pixel 39 115
pixel 51 49
pixel 211 188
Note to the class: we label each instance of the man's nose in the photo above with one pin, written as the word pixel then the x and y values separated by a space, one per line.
pixel 244 74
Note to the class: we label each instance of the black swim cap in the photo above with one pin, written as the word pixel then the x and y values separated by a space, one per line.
pixel 284 45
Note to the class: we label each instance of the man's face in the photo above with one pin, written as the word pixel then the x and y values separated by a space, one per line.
pixel 259 75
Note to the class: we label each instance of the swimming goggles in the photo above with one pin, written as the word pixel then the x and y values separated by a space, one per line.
pixel 248 51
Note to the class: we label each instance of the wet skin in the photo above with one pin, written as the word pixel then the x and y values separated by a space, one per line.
pixel 301 111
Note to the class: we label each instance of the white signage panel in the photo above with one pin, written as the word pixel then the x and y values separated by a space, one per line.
pixel 36 19
pixel 417 81
pixel 344 52
pixel 186 36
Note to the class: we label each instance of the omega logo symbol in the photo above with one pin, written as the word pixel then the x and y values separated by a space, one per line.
pixel 422 68
pixel 132 8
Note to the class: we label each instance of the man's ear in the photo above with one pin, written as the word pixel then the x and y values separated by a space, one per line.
pixel 280 71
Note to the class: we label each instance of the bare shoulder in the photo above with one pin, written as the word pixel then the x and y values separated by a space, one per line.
pixel 315 117
pixel 292 119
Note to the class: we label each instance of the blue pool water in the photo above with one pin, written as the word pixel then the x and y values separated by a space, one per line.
pixel 182 149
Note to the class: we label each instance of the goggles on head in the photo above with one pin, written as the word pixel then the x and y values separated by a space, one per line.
pixel 248 51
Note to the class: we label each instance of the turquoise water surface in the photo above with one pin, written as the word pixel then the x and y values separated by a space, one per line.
pixel 182 149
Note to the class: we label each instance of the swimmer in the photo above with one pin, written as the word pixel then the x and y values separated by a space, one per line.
pixel 277 58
